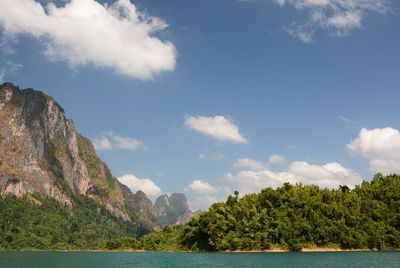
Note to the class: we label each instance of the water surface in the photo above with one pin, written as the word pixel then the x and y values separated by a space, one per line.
pixel 51 259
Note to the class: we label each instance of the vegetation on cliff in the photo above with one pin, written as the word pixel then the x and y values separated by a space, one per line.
pixel 294 217
pixel 41 152
pixel 38 222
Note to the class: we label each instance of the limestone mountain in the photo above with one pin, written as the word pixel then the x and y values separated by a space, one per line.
pixel 41 152
pixel 140 202
pixel 173 210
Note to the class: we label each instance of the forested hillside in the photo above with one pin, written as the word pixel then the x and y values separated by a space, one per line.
pixel 37 222
pixel 294 217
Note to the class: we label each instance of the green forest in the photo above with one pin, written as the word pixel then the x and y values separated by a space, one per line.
pixel 34 222
pixel 293 217
pixel 289 217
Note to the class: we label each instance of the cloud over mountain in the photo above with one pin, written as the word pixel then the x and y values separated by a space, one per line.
pixel 135 184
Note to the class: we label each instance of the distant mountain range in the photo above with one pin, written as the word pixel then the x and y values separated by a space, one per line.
pixel 173 210
pixel 42 153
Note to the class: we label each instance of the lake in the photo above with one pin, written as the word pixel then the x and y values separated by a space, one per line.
pixel 51 259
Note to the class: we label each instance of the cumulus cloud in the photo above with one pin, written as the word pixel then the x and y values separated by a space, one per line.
pixel 201 187
pixel 124 143
pixel 135 184
pixel 82 32
pixel 250 164
pixel 218 127
pixel 330 175
pixel 250 181
pixel 338 17
pixel 277 159
pixel 381 146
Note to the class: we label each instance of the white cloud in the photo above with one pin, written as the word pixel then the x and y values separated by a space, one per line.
pixel 102 143
pixel 206 194
pixel 280 2
pixel 202 187
pixel 128 143
pixel 277 159
pixel 135 184
pixel 124 143
pixel 381 146
pixel 298 32
pixel 250 164
pixel 217 157
pixel 338 17
pixel 345 20
pixel 330 175
pixel 217 127
pixel 82 32
pixel 249 181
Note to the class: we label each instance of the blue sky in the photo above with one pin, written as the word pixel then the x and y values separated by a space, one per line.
pixel 208 97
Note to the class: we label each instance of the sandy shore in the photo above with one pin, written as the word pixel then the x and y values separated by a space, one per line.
pixel 307 250
pixel 334 249
pixel 316 249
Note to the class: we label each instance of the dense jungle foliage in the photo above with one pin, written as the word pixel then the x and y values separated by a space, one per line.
pixel 37 222
pixel 293 217
pixel 289 217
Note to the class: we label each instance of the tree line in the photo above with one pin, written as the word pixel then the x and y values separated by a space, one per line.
pixel 288 217
pixel 294 217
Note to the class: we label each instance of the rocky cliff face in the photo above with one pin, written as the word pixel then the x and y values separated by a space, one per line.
pixel 173 210
pixel 40 151
pixel 141 203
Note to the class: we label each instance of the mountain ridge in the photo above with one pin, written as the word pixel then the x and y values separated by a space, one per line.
pixel 41 152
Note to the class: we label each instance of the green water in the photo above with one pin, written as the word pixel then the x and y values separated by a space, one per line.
pixel 163 259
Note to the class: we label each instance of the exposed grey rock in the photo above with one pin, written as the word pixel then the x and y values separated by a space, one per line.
pixel 173 210
pixel 142 204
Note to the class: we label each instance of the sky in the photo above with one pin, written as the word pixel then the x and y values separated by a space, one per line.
pixel 208 97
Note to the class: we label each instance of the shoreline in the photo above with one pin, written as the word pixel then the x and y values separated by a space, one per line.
pixel 274 250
